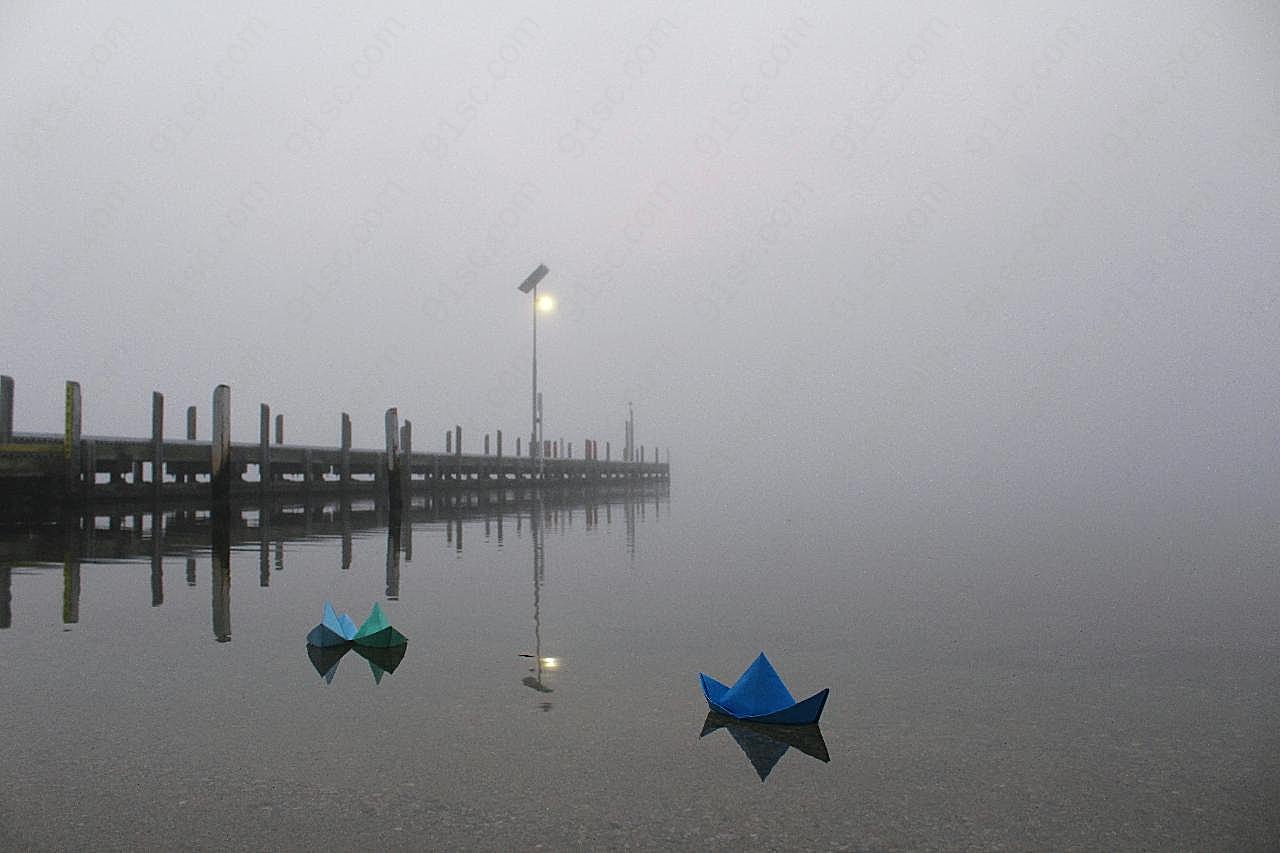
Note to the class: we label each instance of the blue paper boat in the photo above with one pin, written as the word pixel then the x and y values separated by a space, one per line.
pixel 759 696
pixel 333 630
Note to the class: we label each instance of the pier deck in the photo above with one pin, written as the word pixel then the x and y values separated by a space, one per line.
pixel 73 467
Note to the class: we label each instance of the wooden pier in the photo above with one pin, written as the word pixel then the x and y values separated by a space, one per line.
pixel 72 467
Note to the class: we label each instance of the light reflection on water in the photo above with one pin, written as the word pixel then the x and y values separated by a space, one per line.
pixel 1043 692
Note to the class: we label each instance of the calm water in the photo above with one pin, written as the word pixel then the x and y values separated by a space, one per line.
pixel 1040 686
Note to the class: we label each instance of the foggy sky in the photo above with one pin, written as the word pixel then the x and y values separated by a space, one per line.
pixel 917 254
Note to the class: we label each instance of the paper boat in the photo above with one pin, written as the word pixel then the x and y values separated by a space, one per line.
pixel 375 631
pixel 333 630
pixel 759 696
pixel 764 745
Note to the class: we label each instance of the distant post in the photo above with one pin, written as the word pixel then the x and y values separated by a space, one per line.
pixel 517 447
pixel 392 424
pixel 448 441
pixel 220 446
pixel 457 452
pixel 264 446
pixel 499 444
pixel 486 444
pixel 345 461
pixel 6 409
pixel 608 452
pixel 157 440
pixel 279 429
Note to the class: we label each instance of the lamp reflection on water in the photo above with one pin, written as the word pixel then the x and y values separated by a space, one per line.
pixel 541 662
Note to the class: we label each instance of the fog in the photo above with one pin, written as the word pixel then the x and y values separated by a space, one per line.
pixel 905 255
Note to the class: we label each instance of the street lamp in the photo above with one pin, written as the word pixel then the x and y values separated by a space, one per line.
pixel 530 284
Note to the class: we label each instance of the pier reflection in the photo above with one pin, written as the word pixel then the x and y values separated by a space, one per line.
pixel 152 534
pixel 6 596
pixel 764 746
pixel 220 551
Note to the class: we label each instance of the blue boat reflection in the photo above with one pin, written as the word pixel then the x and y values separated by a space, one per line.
pixel 765 745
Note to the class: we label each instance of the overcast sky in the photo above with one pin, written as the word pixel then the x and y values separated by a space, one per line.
pixel 911 251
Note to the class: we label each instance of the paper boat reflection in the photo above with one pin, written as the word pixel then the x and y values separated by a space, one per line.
pixel 325 659
pixel 759 696
pixel 765 745
pixel 383 660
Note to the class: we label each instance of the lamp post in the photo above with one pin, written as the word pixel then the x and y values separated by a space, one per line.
pixel 530 284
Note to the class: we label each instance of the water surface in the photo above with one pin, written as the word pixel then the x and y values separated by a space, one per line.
pixel 1042 687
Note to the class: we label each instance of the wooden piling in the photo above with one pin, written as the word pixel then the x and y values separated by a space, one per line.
pixel 264 447
pixel 6 409
pixel 191 423
pixel 395 497
pixel 344 464
pixel 279 429
pixel 608 452
pixel 486 444
pixel 499 444
pixel 448 441
pixel 157 440
pixel 71 437
pixel 457 440
pixel 88 466
pixel 220 445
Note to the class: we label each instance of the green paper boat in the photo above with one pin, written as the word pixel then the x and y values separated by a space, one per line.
pixel 376 632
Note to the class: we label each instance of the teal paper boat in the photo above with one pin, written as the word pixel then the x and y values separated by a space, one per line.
pixel 759 696
pixel 375 631
pixel 333 630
